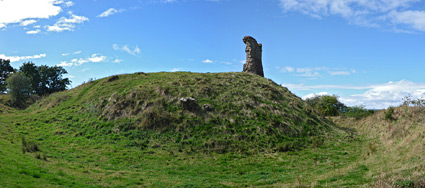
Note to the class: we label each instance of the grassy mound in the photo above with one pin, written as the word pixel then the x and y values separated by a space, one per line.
pixel 231 112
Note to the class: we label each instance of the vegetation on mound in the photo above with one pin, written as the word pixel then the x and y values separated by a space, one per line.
pixel 246 113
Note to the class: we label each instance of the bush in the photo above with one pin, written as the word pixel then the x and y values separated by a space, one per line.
pixel 411 101
pixel 19 88
pixel 327 105
pixel 358 112
pixel 389 114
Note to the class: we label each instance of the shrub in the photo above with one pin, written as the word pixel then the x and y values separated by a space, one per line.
pixel 358 112
pixel 327 105
pixel 389 114
pixel 19 88
pixel 410 101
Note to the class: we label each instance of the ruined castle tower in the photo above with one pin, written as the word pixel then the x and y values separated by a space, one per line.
pixel 253 56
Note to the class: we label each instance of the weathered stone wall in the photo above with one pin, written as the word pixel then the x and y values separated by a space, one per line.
pixel 253 56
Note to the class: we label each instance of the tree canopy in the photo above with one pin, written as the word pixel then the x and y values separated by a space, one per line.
pixel 19 88
pixel 5 70
pixel 329 105
pixel 45 79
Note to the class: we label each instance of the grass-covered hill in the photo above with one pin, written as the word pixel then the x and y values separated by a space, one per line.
pixel 237 112
pixel 242 130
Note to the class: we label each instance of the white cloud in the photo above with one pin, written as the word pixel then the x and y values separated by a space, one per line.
pixel 376 96
pixel 73 53
pixel 175 69
pixel 28 22
pixel 33 31
pixel 67 24
pixel 303 87
pixel 385 95
pixel 64 64
pixel 109 12
pixel 94 58
pixel 287 69
pixel 19 11
pixel 21 58
pixel 118 60
pixel 125 48
pixel 414 19
pixel 207 61
pixel 372 13
pixel 314 94
pixel 315 72
pixel 309 72
pixel 339 73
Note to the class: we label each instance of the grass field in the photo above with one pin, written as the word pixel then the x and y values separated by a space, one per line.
pixel 80 161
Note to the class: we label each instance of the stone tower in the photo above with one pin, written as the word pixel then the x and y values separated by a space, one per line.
pixel 253 56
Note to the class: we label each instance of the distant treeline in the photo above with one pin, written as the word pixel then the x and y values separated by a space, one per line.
pixel 30 79
pixel 329 105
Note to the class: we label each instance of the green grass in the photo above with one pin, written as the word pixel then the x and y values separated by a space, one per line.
pixel 250 114
pixel 75 161
pixel 133 132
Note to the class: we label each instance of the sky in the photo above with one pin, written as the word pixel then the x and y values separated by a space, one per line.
pixel 367 52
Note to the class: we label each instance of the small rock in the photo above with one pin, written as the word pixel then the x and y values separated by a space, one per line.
pixel 189 103
pixel 208 107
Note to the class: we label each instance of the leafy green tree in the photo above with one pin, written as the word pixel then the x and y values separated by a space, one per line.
pixel 5 70
pixel 19 88
pixel 327 105
pixel 31 71
pixel 45 79
pixel 52 80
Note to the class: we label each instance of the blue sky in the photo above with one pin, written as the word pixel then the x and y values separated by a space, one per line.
pixel 368 52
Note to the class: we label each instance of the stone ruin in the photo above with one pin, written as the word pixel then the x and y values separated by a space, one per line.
pixel 253 56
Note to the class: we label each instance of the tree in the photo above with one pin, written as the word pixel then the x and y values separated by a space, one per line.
pixel 51 79
pixel 327 105
pixel 31 71
pixel 19 88
pixel 45 79
pixel 5 71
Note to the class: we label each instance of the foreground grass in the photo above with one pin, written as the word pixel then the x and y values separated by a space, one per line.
pixel 78 161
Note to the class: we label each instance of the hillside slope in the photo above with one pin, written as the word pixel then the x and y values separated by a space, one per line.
pixel 4 108
pixel 395 149
pixel 231 112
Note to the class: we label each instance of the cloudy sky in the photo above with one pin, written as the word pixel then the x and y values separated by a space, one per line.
pixel 368 52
